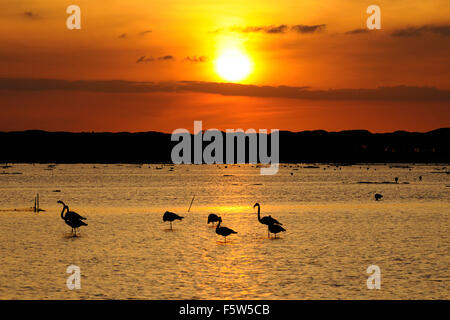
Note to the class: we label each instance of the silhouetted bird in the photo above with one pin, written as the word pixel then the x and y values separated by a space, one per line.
pixel 213 218
pixel 378 196
pixel 420 178
pixel 267 220
pixel 223 231
pixel 170 216
pixel 275 228
pixel 72 218
pixel 396 179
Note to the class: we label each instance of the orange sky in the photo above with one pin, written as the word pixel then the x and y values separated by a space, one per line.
pixel 304 45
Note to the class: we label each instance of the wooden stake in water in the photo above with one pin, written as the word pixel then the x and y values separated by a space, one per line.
pixel 36 204
pixel 191 203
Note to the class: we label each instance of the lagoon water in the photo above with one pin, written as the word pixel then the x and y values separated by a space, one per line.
pixel 335 231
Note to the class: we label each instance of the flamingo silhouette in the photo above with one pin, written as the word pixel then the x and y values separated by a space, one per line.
pixel 71 218
pixel 213 218
pixel 267 220
pixel 224 231
pixel 170 216
pixel 276 228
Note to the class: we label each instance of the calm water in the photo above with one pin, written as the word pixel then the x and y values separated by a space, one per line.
pixel 335 230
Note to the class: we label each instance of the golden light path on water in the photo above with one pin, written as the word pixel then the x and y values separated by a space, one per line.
pixel 335 230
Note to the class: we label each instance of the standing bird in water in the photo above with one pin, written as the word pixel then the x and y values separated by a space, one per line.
pixel 396 179
pixel 276 228
pixel 223 231
pixel 378 196
pixel 267 220
pixel 170 216
pixel 72 219
pixel 213 218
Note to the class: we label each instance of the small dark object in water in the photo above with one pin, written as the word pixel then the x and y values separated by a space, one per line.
pixel 378 196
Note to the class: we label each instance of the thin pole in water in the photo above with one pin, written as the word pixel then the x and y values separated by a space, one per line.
pixel 191 203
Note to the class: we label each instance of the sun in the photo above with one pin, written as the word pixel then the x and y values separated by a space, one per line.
pixel 233 65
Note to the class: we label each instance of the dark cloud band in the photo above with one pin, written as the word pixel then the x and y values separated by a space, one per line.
pixel 397 93
pixel 151 59
pixel 272 29
pixel 442 30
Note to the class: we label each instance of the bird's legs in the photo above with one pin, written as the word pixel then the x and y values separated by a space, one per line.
pixel 171 225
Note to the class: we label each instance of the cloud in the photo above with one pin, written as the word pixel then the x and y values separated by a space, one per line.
pixel 196 59
pixel 143 33
pixel 357 31
pixel 168 57
pixel 31 15
pixel 151 59
pixel 301 28
pixel 272 29
pixel 276 29
pixel 141 59
pixel 396 93
pixel 413 31
pixel 253 29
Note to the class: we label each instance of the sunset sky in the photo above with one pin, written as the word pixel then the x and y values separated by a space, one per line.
pixel 147 65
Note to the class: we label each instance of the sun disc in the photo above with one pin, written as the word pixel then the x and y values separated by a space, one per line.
pixel 233 65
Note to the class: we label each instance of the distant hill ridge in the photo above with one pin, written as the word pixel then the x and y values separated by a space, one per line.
pixel 318 146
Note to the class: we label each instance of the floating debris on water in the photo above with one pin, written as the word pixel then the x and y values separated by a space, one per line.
pixel 383 182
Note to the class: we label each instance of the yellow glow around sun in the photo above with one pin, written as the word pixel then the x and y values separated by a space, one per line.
pixel 233 65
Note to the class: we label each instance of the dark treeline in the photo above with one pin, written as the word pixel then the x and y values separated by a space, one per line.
pixel 153 147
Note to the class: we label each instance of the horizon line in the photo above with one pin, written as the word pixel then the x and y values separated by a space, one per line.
pixel 214 129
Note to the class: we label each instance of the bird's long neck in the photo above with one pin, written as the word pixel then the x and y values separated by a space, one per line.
pixel 62 212
pixel 218 225
pixel 259 213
